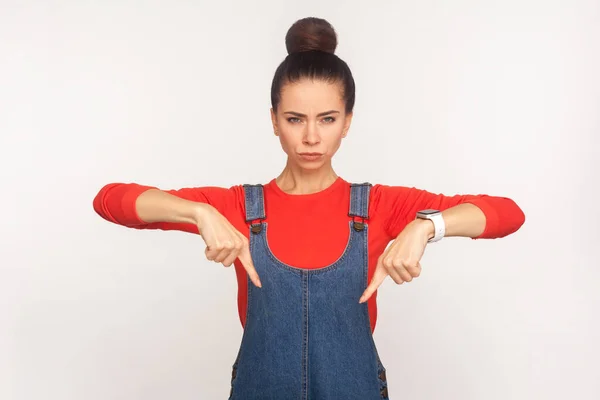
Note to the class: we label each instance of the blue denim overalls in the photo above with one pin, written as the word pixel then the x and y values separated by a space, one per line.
pixel 306 337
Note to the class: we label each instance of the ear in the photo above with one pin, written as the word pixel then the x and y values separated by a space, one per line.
pixel 274 122
pixel 347 124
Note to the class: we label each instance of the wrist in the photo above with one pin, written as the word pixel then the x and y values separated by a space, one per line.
pixel 425 226
pixel 199 211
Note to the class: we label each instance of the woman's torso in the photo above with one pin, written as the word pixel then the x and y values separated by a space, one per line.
pixel 307 231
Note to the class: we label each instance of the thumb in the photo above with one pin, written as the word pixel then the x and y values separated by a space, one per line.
pixel 246 260
pixel 378 278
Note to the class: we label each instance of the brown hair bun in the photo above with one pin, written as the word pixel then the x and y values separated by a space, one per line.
pixel 310 34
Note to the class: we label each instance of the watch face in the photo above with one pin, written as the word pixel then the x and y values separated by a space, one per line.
pixel 428 212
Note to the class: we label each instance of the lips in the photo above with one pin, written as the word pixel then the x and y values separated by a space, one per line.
pixel 310 156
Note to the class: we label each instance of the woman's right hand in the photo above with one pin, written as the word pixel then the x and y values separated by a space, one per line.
pixel 224 243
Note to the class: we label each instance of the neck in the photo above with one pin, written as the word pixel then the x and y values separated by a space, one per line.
pixel 296 180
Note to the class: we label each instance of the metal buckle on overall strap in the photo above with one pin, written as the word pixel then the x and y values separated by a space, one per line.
pixel 256 228
pixel 357 225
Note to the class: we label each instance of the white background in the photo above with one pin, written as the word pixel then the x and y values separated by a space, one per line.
pixel 496 97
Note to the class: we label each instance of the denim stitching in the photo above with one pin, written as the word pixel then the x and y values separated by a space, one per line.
pixel 305 336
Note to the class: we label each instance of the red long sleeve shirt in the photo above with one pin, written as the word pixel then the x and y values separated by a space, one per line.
pixel 311 230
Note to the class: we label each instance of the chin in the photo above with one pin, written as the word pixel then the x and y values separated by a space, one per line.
pixel 311 165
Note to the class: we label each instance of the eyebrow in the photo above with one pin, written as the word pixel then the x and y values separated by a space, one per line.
pixel 318 115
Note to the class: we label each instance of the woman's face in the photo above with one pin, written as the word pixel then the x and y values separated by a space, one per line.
pixel 311 122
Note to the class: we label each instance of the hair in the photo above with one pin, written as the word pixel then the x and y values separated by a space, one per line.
pixel 311 44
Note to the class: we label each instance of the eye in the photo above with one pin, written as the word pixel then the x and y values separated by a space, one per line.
pixel 329 120
pixel 293 120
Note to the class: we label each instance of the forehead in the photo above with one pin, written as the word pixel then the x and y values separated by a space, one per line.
pixel 311 94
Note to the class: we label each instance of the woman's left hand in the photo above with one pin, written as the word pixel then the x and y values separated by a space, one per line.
pixel 401 260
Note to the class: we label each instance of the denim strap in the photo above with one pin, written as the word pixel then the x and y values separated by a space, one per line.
pixel 359 200
pixel 255 202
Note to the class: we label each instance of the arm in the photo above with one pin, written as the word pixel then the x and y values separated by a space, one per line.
pixel 146 207
pixel 191 210
pixel 154 205
pixel 497 216
pixel 466 220
pixel 474 216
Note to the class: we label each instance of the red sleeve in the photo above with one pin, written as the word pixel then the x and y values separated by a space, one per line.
pixel 115 202
pixel 399 206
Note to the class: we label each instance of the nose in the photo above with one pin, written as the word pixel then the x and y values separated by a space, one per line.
pixel 311 135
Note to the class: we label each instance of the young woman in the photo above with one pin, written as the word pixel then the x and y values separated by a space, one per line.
pixel 309 248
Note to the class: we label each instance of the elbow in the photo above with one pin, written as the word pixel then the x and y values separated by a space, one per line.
pixel 116 202
pixel 98 201
pixel 101 201
pixel 514 217
pixel 519 216
pixel 503 217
